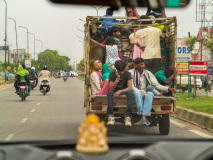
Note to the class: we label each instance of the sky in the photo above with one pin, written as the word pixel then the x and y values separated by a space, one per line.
pixel 56 25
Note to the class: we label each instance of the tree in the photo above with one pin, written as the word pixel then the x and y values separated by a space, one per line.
pixel 208 42
pixel 53 60
pixel 190 42
pixel 80 66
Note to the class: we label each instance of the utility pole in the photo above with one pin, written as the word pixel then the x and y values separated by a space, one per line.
pixel 5 38
pixel 16 43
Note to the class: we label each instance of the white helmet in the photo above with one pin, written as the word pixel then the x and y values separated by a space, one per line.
pixel 33 68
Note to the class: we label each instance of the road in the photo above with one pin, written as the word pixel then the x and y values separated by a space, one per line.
pixel 58 114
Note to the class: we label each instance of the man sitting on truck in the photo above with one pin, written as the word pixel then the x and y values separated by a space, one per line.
pixel 143 97
pixel 120 83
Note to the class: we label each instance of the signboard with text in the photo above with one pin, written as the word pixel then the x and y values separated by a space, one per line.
pixel 183 51
pixel 28 63
pixel 182 68
pixel 197 68
pixel 3 48
pixel 210 70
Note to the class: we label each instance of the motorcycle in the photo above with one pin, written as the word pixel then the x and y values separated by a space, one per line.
pixel 45 87
pixel 72 75
pixel 23 90
pixel 33 83
pixel 209 86
pixel 65 79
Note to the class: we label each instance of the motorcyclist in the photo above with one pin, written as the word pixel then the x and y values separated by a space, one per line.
pixel 21 75
pixel 64 74
pixel 34 74
pixel 44 74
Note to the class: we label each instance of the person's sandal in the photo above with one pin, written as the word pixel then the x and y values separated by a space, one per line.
pixel 144 122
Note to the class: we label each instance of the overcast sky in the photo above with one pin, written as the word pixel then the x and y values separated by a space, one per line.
pixel 56 25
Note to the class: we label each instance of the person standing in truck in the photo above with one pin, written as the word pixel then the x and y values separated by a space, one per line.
pixel 150 38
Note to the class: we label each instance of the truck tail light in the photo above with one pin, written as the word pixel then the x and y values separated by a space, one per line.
pixel 165 108
pixel 96 107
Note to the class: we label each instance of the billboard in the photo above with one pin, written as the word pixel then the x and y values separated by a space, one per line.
pixel 28 63
pixel 210 70
pixel 183 51
pixel 183 67
pixel 197 68
pixel 3 48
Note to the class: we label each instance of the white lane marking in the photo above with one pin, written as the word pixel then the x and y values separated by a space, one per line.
pixel 9 137
pixel 24 120
pixel 177 123
pixel 33 110
pixel 38 104
pixel 200 134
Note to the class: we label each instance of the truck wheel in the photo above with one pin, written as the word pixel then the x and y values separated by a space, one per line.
pixel 164 124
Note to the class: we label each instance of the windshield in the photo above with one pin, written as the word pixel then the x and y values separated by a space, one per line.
pixel 60 65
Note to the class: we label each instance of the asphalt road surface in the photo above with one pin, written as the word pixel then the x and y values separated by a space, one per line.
pixel 58 114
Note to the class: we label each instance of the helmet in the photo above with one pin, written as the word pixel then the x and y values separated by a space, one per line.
pixel 33 68
pixel 45 67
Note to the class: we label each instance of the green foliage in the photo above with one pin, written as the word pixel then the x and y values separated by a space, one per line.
pixel 190 42
pixel 208 42
pixel 2 67
pixel 80 66
pixel 200 103
pixel 53 60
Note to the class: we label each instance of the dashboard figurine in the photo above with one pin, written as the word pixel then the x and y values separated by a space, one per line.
pixel 92 136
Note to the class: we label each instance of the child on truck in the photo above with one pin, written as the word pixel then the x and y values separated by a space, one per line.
pixel 111 50
pixel 116 32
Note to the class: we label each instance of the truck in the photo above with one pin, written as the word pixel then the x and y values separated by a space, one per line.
pixel 162 106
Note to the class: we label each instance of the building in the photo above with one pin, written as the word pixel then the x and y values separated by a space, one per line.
pixel 2 55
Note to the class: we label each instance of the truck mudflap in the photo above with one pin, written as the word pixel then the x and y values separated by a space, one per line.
pixel 160 105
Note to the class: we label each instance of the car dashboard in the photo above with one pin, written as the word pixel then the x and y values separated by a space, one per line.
pixel 121 148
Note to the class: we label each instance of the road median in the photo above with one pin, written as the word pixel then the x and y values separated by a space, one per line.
pixel 204 120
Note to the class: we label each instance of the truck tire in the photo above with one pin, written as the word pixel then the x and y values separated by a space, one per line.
pixel 164 124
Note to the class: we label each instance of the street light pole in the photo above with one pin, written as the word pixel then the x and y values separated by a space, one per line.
pixel 41 50
pixel 27 38
pixel 5 38
pixel 34 44
pixel 16 42
pixel 97 9
pixel 41 44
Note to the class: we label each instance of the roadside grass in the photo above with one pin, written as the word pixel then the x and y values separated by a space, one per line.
pixel 3 83
pixel 200 103
pixel 81 77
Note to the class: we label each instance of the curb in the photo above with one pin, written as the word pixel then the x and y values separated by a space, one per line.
pixel 81 79
pixel 202 119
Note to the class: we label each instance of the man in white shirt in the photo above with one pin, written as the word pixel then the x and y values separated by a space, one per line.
pixel 150 38
pixel 143 95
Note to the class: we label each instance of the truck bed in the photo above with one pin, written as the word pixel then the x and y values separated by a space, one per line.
pixel 160 105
